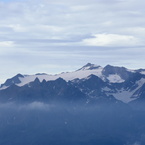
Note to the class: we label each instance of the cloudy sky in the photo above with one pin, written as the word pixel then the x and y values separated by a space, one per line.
pixel 53 36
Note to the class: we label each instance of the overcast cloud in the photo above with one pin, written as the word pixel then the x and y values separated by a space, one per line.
pixel 61 35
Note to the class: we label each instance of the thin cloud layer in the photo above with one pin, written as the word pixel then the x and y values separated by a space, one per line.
pixel 30 30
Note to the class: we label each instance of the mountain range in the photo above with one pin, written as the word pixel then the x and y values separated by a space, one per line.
pixel 93 105
pixel 87 84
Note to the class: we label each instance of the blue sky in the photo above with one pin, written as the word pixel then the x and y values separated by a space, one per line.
pixel 60 35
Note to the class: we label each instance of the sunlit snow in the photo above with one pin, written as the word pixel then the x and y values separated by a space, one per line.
pixel 126 95
pixel 114 78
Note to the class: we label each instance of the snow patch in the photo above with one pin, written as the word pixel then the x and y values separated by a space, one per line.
pixel 131 70
pixel 114 78
pixel 142 72
pixel 124 96
pixel 127 96
pixel 106 89
pixel 4 87
pixel 69 76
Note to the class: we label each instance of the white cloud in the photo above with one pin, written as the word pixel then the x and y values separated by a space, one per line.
pixel 111 40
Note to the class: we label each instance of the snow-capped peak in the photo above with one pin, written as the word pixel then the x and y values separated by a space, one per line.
pixel 89 66
pixel 108 73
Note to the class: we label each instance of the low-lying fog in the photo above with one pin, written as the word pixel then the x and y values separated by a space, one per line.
pixel 69 124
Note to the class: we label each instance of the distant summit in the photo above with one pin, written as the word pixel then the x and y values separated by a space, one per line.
pixel 89 66
pixel 13 80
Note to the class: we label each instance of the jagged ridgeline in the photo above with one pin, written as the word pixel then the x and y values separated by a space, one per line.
pixel 87 84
